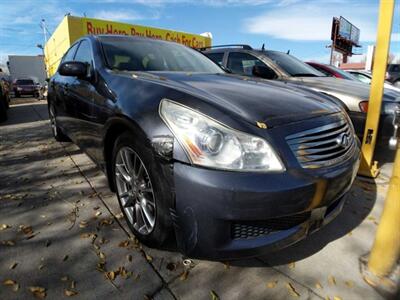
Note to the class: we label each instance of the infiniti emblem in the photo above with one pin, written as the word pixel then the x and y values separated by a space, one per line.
pixel 342 140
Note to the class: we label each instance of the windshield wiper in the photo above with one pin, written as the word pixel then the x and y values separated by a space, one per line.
pixel 304 75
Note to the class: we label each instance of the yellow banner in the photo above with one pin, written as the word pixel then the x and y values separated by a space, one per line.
pixel 95 26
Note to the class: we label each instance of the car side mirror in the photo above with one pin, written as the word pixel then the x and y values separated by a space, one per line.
pixel 263 72
pixel 74 68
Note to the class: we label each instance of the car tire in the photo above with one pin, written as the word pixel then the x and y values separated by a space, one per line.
pixel 57 133
pixel 136 202
pixel 3 110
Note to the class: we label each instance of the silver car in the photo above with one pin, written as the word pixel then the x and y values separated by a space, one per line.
pixel 275 65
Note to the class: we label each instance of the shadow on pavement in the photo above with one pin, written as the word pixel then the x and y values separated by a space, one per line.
pixel 17 114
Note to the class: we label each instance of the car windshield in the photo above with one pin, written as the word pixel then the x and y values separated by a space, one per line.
pixel 129 54
pixel 345 74
pixel 24 82
pixel 292 65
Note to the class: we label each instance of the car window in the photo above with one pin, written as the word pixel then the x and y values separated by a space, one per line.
pixel 243 63
pixel 69 56
pixel 128 54
pixel 394 68
pixel 84 53
pixel 362 77
pixel 24 82
pixel 292 65
pixel 323 71
pixel 216 57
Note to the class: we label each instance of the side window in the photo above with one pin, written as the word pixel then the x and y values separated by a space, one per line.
pixel 243 63
pixel 216 57
pixel 363 78
pixel 323 71
pixel 84 53
pixel 69 56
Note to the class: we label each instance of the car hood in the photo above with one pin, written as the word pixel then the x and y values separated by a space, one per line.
pixel 338 87
pixel 254 100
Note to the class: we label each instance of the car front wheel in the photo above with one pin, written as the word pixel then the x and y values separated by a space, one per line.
pixel 141 192
pixel 57 133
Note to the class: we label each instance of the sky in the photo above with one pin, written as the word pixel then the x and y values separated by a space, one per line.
pixel 303 26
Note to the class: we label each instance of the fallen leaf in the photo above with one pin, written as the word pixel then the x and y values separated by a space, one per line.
pixel 64 278
pixel 336 298
pixel 111 275
pixel 292 290
pixel 38 291
pixel 70 293
pixel 106 222
pixel 8 243
pixel 119 216
pixel 129 257
pixel 13 265
pixel 292 265
pixel 318 286
pixel 272 284
pixel 102 255
pixel 83 224
pixel 96 207
pixel 149 258
pixel 349 283
pixel 72 284
pixel 214 295
pixel 27 230
pixel 48 243
pixel 85 235
pixel 226 265
pixel 4 226
pixel 184 275
pixel 65 257
pixel 332 280
pixel 41 267
pixel 123 244
pixel 9 282
pixel 98 213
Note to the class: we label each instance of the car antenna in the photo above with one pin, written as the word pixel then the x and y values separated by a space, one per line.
pixel 288 52
pixel 263 47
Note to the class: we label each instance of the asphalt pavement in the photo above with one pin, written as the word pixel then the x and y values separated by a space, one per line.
pixel 62 235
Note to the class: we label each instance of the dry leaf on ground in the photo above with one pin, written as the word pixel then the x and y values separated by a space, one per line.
pixel 13 265
pixel 292 290
pixel 4 226
pixel 9 282
pixel 214 295
pixel 70 293
pixel 272 284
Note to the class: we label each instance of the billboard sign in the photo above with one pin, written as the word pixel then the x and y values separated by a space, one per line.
pixel 348 31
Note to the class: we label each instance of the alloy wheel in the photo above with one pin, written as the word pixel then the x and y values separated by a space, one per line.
pixel 135 190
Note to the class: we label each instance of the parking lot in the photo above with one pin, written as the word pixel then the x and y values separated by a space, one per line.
pixel 62 234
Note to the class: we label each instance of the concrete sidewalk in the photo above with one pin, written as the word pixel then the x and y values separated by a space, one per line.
pixel 61 230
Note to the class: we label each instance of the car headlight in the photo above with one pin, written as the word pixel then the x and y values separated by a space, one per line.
pixel 212 144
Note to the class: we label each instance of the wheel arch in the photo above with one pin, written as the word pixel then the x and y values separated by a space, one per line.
pixel 113 129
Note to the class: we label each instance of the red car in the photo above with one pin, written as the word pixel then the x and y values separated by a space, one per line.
pixel 26 87
pixel 331 71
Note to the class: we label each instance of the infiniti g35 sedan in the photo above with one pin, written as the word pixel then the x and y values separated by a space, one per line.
pixel 229 167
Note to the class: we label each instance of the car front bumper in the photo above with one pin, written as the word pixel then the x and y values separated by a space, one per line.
pixel 231 215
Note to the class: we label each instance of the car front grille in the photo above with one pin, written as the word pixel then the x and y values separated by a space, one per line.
pixel 254 229
pixel 323 146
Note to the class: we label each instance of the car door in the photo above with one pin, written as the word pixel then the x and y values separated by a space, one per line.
pixel 81 92
pixel 59 85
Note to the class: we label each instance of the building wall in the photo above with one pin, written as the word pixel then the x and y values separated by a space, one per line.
pixel 72 28
pixel 27 67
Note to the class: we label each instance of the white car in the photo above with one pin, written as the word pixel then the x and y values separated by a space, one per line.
pixel 366 77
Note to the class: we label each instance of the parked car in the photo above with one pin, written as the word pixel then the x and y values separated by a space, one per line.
pixel 366 77
pixel 26 87
pixel 3 102
pixel 331 71
pixel 393 74
pixel 4 96
pixel 233 168
pixel 275 65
